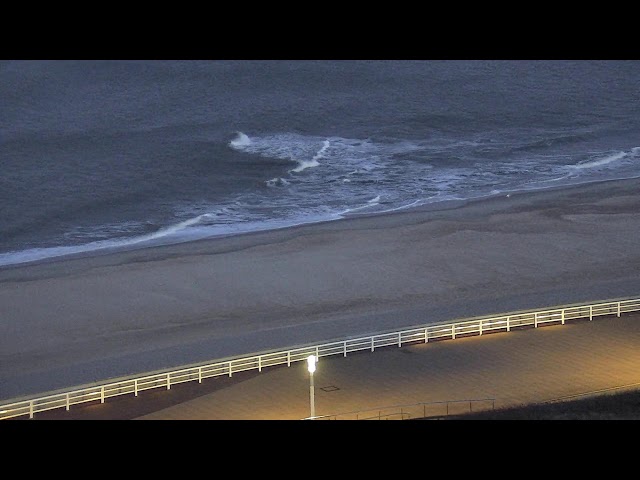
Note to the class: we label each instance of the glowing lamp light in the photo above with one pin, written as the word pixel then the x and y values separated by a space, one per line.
pixel 311 363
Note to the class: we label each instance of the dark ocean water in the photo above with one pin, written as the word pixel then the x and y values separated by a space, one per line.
pixel 103 154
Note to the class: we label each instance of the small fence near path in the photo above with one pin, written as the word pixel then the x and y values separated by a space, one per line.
pixel 423 410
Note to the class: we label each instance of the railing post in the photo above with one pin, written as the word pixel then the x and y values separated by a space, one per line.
pixel 399 339
pixel 590 312
pixel 372 347
pixel 288 358
pixel 102 394
pixel 168 381
pixel 508 324
pixel 426 335
pixel 535 320
pixel 199 374
pixel 618 309
pixel 480 327
pixel 229 368
pixel 135 387
pixel 563 316
pixel 67 402
pixel 259 363
pixel 453 331
pixel 345 348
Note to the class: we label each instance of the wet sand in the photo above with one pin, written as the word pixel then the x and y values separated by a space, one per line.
pixel 77 320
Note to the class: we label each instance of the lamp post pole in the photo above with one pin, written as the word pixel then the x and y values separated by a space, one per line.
pixel 311 364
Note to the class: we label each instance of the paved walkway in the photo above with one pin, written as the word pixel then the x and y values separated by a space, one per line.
pixel 518 367
pixel 513 368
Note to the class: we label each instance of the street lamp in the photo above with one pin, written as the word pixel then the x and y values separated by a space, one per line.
pixel 311 365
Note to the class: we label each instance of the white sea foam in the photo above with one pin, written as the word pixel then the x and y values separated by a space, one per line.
pixel 404 207
pixel 173 229
pixel 304 164
pixel 370 203
pixel 286 146
pixel 34 254
pixel 394 209
pixel 356 175
pixel 241 140
pixel 277 182
pixel 599 162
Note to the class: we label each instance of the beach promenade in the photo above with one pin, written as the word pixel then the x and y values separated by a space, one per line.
pixel 522 367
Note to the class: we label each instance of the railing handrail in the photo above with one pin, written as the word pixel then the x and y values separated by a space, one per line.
pixel 480 325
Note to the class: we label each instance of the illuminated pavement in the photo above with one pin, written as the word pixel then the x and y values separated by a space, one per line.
pixel 518 367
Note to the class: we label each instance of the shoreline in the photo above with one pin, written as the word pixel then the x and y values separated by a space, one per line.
pixel 72 321
pixel 441 206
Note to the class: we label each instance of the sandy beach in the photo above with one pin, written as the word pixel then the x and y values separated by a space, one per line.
pixel 77 320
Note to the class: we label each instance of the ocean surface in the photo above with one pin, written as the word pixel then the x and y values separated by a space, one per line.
pixel 99 155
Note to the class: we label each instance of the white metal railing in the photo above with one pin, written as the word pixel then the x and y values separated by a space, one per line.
pixel 229 366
